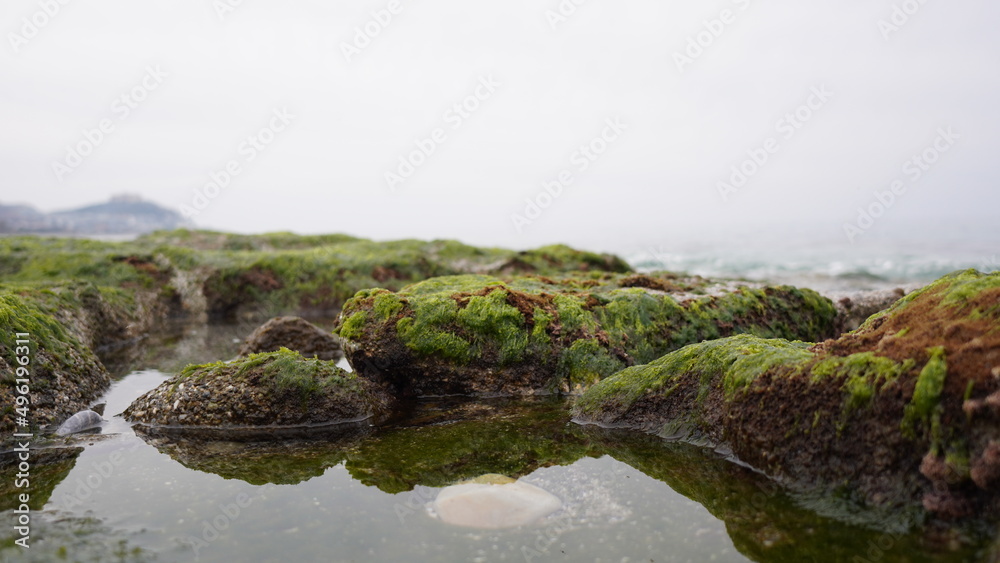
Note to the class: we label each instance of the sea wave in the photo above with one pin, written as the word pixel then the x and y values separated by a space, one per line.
pixel 820 270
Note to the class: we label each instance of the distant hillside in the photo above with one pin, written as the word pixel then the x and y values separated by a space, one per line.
pixel 122 215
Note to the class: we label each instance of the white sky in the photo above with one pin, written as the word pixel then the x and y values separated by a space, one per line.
pixel 657 182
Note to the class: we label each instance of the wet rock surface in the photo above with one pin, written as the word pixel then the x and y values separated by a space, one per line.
pixel 524 335
pixel 88 305
pixel 62 375
pixel 854 308
pixel 901 411
pixel 276 389
pixel 296 334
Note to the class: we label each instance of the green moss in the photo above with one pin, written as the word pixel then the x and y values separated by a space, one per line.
pixel 353 327
pixel 927 392
pixel 587 327
pixel 269 274
pixel 586 362
pixel 281 370
pixel 956 290
pixel 540 338
pixel 863 374
pixel 572 315
pixel 387 305
pixel 430 342
pixel 560 257
pixel 494 323
pixel 21 315
pixel 733 364
pixel 730 363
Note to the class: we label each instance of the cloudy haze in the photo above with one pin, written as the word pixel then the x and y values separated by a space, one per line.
pixel 339 109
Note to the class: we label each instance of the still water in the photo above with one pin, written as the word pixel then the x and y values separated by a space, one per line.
pixel 367 494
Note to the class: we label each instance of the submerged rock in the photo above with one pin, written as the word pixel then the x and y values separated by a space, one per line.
pixel 83 420
pixel 853 309
pixel 904 412
pixel 296 334
pixel 271 390
pixel 483 335
pixel 491 503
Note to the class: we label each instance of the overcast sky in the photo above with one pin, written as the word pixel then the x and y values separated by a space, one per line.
pixel 668 96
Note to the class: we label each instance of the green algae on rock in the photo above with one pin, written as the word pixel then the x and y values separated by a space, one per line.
pixel 263 391
pixel 478 334
pixel 903 411
pixel 63 375
pixel 230 276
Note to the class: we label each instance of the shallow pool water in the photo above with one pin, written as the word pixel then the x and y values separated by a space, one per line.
pixel 367 494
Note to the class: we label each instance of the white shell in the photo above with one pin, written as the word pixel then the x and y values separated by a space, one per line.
pixel 493 507
pixel 83 420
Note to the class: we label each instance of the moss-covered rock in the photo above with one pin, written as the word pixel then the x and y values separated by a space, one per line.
pixel 296 334
pixel 483 335
pixel 903 413
pixel 263 391
pixel 230 275
pixel 62 375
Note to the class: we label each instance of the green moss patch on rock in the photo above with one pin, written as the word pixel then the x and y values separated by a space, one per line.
pixel 64 376
pixel 903 412
pixel 478 334
pixel 234 276
pixel 275 389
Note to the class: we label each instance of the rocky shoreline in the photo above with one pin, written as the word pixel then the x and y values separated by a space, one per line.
pixel 901 411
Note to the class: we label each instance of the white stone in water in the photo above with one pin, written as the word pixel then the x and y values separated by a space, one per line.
pixel 494 506
pixel 83 420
